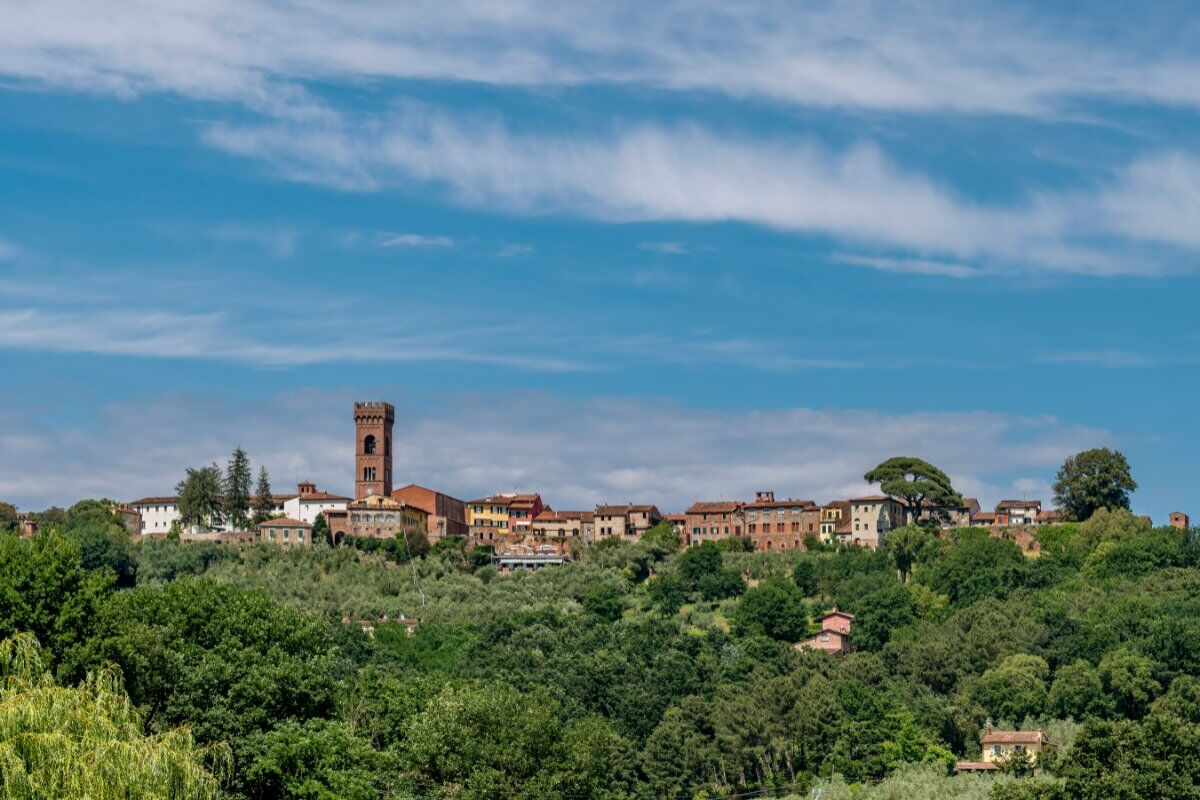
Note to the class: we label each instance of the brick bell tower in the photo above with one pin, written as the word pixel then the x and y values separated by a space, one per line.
pixel 373 449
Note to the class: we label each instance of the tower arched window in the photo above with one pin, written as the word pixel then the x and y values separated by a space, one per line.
pixel 368 473
pixel 369 445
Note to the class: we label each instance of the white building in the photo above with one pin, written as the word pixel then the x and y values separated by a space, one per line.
pixel 873 517
pixel 160 513
pixel 308 502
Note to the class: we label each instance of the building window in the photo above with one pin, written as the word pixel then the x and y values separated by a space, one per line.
pixel 369 445
pixel 368 473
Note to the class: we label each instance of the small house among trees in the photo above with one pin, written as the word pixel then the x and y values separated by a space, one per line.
pixel 834 637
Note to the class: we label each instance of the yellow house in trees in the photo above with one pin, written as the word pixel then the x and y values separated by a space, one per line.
pixel 1000 746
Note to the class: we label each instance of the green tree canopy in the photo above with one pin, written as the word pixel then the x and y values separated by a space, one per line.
pixel 774 608
pixel 103 539
pixel 605 600
pixel 906 545
pixel 317 760
pixel 662 540
pixel 1077 692
pixel 1015 688
pixel 200 495
pixel 44 589
pixel 917 481
pixel 8 517
pixel 1091 480
pixel 804 575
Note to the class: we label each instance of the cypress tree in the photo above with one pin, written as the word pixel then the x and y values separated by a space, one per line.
pixel 264 502
pixel 237 488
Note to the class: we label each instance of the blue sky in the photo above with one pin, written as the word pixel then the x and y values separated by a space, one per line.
pixel 638 251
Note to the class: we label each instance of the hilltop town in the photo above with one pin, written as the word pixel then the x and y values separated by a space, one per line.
pixel 522 529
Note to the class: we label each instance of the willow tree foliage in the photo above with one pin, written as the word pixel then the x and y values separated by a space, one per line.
pixel 61 743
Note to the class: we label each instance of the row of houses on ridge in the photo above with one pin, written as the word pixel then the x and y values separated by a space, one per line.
pixel 524 522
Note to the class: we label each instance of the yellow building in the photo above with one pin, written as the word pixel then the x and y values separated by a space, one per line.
pixel 1000 746
pixel 487 518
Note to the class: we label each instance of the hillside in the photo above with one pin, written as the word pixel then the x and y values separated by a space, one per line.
pixel 638 671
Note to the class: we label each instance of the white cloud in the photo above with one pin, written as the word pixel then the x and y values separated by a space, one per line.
pixel 909 55
pixel 414 240
pixel 577 452
pixel 279 241
pixel 1158 198
pixel 8 250
pixel 512 250
pixel 213 337
pixel 914 266
pixel 666 248
pixel 689 173
pixel 1101 358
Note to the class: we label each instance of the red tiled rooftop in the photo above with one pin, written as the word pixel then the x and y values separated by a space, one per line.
pixel 721 507
pixel 1014 737
pixel 284 522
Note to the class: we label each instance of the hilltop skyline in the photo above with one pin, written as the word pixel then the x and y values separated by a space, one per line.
pixel 670 252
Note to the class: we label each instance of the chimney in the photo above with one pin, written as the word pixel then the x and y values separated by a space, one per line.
pixel 764 497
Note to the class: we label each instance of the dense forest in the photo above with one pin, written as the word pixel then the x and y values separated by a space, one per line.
pixel 636 671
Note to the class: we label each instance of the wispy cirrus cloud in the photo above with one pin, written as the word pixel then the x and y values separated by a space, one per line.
pixel 576 452
pixel 1112 358
pixel 514 249
pixel 415 240
pixel 912 266
pixel 857 194
pixel 278 240
pixel 904 55
pixel 666 248
pixel 216 337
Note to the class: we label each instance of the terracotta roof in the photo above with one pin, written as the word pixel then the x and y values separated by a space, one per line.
pixel 975 766
pixel 284 521
pixel 490 501
pixel 426 489
pixel 1018 504
pixel 524 501
pixel 555 516
pixel 676 517
pixel 278 498
pixel 723 507
pixel 1014 737
pixel 789 503
pixel 322 496
pixel 836 613
pixel 875 498
pixel 1048 515
pixel 983 516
